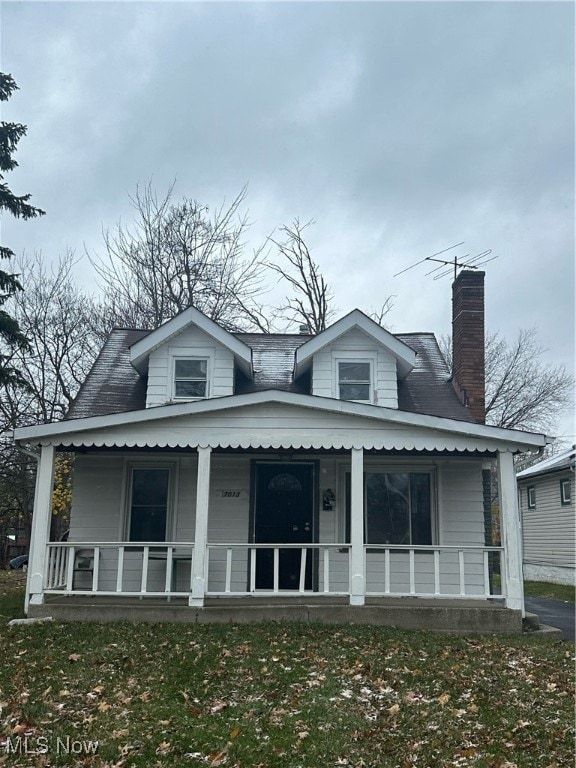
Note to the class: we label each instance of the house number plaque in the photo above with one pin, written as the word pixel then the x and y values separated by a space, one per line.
pixel 230 493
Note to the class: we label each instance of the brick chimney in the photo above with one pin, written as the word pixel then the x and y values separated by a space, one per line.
pixel 468 341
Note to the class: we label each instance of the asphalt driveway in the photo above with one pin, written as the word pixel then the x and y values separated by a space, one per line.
pixel 555 613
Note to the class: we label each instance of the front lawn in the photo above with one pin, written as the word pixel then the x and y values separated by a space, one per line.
pixel 275 695
pixel 563 592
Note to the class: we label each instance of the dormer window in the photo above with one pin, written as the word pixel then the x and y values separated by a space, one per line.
pixel 354 380
pixel 190 378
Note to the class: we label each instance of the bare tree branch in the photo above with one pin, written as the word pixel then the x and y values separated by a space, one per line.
pixel 176 255
pixel 522 391
pixel 310 304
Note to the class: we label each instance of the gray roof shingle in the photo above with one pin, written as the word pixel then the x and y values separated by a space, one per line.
pixel 114 386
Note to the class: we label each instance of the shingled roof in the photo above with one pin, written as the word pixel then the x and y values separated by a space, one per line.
pixel 114 386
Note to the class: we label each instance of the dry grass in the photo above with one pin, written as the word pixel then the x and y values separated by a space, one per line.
pixel 279 695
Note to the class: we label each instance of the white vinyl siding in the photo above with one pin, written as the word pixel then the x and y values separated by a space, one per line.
pixel 351 345
pixel 549 530
pixel 229 520
pixel 192 343
pixel 97 498
pixel 461 521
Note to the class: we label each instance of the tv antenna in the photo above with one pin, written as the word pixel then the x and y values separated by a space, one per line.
pixel 465 262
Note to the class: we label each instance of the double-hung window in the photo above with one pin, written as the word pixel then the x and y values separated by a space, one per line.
pixel 354 380
pixel 190 378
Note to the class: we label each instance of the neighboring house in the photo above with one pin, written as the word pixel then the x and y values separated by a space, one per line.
pixel 288 470
pixel 548 508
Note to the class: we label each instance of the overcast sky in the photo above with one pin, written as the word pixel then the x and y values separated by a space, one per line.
pixel 400 128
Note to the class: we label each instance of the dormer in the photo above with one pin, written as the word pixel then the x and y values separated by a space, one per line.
pixel 189 358
pixel 356 359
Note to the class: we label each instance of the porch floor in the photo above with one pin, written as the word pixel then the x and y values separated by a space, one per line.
pixel 457 616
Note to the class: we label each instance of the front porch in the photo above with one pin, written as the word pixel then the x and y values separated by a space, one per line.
pixel 278 501
pixel 439 588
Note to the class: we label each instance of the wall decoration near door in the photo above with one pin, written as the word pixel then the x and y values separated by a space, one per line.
pixel 283 514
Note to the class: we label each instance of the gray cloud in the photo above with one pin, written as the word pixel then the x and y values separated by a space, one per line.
pixel 401 128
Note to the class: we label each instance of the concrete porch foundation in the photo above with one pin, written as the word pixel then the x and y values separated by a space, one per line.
pixel 455 616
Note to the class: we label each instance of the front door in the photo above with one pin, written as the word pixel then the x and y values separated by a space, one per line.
pixel 283 514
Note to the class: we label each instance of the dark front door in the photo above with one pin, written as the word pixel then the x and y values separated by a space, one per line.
pixel 283 514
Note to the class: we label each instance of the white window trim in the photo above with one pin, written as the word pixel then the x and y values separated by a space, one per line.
pixel 354 357
pixel 171 503
pixel 531 502
pixel 208 357
pixel 565 499
pixel 389 467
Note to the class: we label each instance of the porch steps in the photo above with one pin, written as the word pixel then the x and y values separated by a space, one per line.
pixel 531 626
pixel 453 616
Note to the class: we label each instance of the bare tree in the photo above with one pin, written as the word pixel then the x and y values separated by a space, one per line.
pixel 59 321
pixel 176 255
pixel 310 303
pixel 522 391
pixel 378 315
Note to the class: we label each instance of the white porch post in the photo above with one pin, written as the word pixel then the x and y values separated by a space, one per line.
pixel 357 555
pixel 510 530
pixel 196 599
pixel 40 532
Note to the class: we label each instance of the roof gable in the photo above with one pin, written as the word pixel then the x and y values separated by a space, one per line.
pixel 405 356
pixel 140 351
pixel 273 419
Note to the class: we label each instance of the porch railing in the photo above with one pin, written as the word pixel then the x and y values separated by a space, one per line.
pixel 236 569
pixel 130 569
pixel 434 571
pixel 164 569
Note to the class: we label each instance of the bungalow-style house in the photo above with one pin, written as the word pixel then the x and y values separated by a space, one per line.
pixel 323 477
pixel 548 510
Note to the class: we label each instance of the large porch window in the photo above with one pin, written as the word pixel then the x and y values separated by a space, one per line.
pixel 397 508
pixel 148 508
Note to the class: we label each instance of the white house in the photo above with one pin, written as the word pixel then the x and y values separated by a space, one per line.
pixel 548 508
pixel 221 469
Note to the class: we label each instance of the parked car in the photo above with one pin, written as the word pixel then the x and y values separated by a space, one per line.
pixel 22 560
pixel 19 562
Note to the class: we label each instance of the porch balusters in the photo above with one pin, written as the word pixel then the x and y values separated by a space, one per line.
pixel 326 557
pixel 120 572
